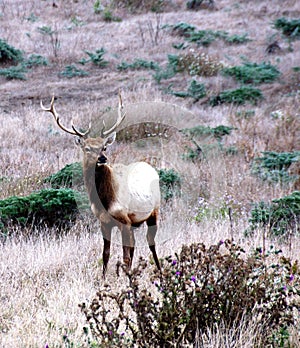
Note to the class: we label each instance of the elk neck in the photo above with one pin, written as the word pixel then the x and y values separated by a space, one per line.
pixel 100 184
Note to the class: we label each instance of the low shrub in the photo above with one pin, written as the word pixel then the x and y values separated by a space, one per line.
pixel 9 54
pixel 237 96
pixel 14 72
pixel 199 288
pixel 72 71
pixel 195 90
pixel 51 207
pixel 217 132
pixel 273 166
pixel 289 28
pixel 253 73
pixel 281 217
pixel 198 63
pixel 170 182
pixel 68 176
pixel 138 64
pixel 96 58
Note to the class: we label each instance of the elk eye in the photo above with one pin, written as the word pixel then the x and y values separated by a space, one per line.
pixel 104 148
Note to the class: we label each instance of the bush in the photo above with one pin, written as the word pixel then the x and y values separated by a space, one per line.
pixel 289 28
pixel 195 90
pixel 9 54
pixel 136 6
pixel 170 182
pixel 280 217
pixel 273 166
pixel 200 287
pixel 68 176
pixel 217 132
pixel 96 58
pixel 237 96
pixel 72 71
pixel 253 73
pixel 205 37
pixel 14 72
pixel 200 64
pixel 51 207
pixel 138 64
pixel 35 60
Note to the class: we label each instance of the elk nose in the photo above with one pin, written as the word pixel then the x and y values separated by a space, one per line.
pixel 102 159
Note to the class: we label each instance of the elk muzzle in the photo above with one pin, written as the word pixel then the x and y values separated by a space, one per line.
pixel 102 159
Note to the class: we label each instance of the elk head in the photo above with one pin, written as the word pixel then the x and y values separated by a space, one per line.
pixel 122 196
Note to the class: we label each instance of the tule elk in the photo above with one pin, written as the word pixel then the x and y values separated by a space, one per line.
pixel 124 196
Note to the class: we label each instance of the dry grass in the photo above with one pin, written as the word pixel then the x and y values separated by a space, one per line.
pixel 44 279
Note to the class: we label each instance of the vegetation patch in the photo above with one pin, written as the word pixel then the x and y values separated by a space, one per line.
pixel 253 73
pixel 72 71
pixel 195 90
pixel 237 96
pixel 205 37
pixel 68 176
pixel 201 64
pixel 170 183
pixel 51 207
pixel 96 58
pixel 273 166
pixel 281 217
pixel 9 54
pixel 289 28
pixel 138 64
pixel 200 287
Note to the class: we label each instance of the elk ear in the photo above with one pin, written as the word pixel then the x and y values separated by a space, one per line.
pixel 109 140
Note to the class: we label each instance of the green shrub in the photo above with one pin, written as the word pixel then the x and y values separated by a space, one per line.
pixel 217 132
pixel 289 28
pixel 14 72
pixel 273 166
pixel 35 60
pixel 253 73
pixel 139 64
pixel 72 71
pixel 51 207
pixel 170 183
pixel 237 39
pixel 199 288
pixel 195 90
pixel 136 6
pixel 9 54
pixel 96 58
pixel 237 96
pixel 196 4
pixel 280 217
pixel 205 37
pixel 68 176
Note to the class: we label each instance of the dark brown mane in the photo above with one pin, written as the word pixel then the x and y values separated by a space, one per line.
pixel 104 185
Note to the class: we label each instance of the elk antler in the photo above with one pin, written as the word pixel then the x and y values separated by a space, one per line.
pixel 105 133
pixel 72 131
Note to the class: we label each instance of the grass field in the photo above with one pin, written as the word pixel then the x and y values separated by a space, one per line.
pixel 45 276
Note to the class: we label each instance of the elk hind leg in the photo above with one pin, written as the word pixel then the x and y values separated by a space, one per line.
pixel 151 233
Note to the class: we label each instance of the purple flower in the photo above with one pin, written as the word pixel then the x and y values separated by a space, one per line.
pixel 291 277
pixel 178 273
pixel 174 262
pixel 221 242
pixel 110 332
pixel 193 279
pixel 122 334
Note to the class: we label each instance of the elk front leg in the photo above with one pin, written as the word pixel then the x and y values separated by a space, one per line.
pixel 106 232
pixel 128 242
pixel 151 233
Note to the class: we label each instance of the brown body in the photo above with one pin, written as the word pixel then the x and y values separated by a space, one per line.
pixel 122 196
